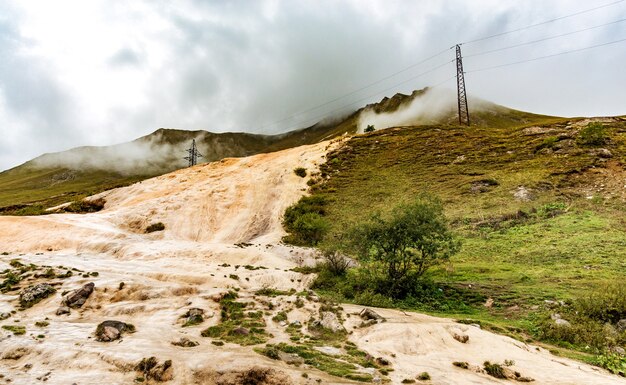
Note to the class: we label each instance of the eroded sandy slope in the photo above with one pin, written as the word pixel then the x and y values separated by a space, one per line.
pixel 207 210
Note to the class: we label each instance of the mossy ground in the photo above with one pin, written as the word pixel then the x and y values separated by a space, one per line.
pixel 566 239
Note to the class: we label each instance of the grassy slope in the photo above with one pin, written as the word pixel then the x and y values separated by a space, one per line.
pixel 515 263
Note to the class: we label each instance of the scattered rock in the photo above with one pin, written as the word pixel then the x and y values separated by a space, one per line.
pixel 240 331
pixel 185 343
pixel 618 350
pixel 555 316
pixel 330 321
pixel 462 338
pixel 602 153
pixel 63 310
pixel 488 303
pixel 33 294
pixel 523 194
pixel 562 323
pixel 194 316
pixel 78 297
pixel 330 350
pixel 459 159
pixel 536 130
pixel 369 314
pixel 290 358
pixel 4 316
pixel 621 325
pixel 112 330
pixel 151 369
pixel 382 361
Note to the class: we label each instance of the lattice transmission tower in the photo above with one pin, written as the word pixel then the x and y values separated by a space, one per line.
pixel 464 118
pixel 194 154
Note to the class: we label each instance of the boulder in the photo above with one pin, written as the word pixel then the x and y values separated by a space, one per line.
pixel 369 314
pixel 63 310
pixel 290 358
pixel 78 297
pixel 562 323
pixel 621 325
pixel 240 331
pixel 151 369
pixel 194 316
pixel 112 330
pixel 33 294
pixel 185 343
pixel 330 321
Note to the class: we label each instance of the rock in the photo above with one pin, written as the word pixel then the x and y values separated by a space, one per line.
pixel 151 369
pixel 283 323
pixel 621 325
pixel 562 323
pixel 296 323
pixel 555 316
pixel 78 297
pixel 459 159
pixel 618 350
pixel 369 314
pixel 488 303
pixel 330 350
pixel 112 330
pixel 367 323
pixel 602 153
pixel 15 353
pixel 33 294
pixel 194 316
pixel 462 338
pixel 290 358
pixel 522 194
pixel 185 343
pixel 330 321
pixel 63 310
pixel 4 316
pixel 382 361
pixel 240 331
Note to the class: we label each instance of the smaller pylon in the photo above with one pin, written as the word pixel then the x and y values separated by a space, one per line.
pixel 194 154
pixel 464 118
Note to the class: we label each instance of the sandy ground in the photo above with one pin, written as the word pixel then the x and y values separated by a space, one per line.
pixel 208 211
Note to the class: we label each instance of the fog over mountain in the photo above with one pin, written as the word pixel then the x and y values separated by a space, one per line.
pixel 96 73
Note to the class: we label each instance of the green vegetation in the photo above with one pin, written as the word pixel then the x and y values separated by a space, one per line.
pixel 494 370
pixel 159 226
pixel 399 249
pixel 369 128
pixel 15 329
pixel 461 364
pixel 236 325
pixel 613 362
pixel 592 135
pixel 424 376
pixel 562 236
pixel 305 222
pixel 42 324
pixel 300 171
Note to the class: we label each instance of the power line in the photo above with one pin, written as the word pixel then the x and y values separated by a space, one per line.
pixel 548 56
pixel 357 90
pixel 332 112
pixel 544 39
pixel 542 23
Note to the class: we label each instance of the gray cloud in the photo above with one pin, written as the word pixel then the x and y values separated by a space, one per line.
pixel 252 66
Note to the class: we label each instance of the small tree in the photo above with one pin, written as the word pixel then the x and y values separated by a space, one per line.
pixel 404 245
pixel 369 128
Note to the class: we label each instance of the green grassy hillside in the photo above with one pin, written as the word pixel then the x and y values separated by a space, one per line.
pixel 52 179
pixel 540 210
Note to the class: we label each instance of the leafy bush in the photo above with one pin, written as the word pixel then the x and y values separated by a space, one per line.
pixel 612 362
pixel 594 134
pixel 607 304
pixel 405 245
pixel 300 171
pixel 305 222
pixel 159 226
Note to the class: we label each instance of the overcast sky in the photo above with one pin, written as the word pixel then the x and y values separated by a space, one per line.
pixel 102 72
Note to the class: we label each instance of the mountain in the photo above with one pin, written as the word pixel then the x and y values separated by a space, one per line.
pixel 55 178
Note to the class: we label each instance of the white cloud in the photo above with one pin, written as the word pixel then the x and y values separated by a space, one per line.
pixel 101 72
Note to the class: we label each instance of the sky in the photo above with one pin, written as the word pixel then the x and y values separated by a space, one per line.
pixel 101 72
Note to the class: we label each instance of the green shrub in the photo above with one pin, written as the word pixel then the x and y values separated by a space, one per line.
pixel 594 134
pixel 159 226
pixel 369 128
pixel 548 142
pixel 605 304
pixel 494 370
pixel 404 245
pixel 424 376
pixel 305 222
pixel 612 362
pixel 300 171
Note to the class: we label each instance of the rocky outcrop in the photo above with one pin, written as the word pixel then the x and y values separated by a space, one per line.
pixel 185 343
pixel 151 369
pixel 33 294
pixel 78 297
pixel 330 321
pixel 112 330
